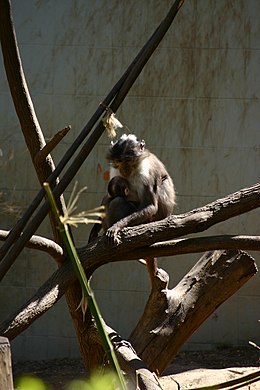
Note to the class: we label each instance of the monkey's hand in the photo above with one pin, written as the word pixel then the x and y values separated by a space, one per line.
pixel 112 235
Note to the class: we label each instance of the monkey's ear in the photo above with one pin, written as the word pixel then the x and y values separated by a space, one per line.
pixel 142 144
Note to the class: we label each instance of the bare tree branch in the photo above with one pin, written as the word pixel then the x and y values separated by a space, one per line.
pixel 136 245
pixel 197 220
pixel 40 243
pixel 171 316
pixel 50 146
pixel 199 244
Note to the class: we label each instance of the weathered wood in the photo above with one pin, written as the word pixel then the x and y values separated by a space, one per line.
pixel 200 244
pixel 42 244
pixel 6 378
pixel 196 220
pixel 54 288
pixel 42 154
pixel 172 316
pixel 98 253
pixel 137 372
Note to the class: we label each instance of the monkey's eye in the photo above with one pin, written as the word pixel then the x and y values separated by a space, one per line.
pixel 116 162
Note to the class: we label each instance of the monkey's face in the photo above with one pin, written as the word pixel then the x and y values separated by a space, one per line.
pixel 125 166
pixel 125 154
pixel 118 186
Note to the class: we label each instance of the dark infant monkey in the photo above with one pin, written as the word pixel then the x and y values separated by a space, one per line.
pixel 148 190
pixel 116 204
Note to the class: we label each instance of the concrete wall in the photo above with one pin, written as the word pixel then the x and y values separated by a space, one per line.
pixel 197 106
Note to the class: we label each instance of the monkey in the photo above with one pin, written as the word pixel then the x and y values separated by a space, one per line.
pixel 116 203
pixel 118 186
pixel 119 200
pixel 151 188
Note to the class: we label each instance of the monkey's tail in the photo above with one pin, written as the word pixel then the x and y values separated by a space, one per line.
pixel 151 264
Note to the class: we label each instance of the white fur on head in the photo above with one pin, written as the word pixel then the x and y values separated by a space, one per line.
pixel 131 137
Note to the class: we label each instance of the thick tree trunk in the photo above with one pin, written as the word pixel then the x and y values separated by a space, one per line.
pixel 172 316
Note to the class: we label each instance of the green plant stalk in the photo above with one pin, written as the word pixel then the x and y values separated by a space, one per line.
pixel 93 307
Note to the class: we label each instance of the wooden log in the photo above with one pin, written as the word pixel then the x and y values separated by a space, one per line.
pixel 172 316
pixel 6 378
pixel 138 375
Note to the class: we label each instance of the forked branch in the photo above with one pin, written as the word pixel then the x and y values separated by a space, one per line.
pixel 172 316
pixel 136 242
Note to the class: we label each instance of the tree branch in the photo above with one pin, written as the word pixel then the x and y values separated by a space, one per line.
pixel 42 244
pixel 197 220
pixel 98 253
pixel 42 154
pixel 172 316
pixel 197 245
pixel 135 368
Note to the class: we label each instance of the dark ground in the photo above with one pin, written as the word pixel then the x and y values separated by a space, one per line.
pixel 59 372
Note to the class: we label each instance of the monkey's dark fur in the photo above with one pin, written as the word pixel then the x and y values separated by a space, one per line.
pixel 117 191
pixel 145 192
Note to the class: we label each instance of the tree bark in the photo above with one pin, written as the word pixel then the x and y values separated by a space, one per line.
pixel 137 371
pixel 98 253
pixel 172 316
pixel 42 244
pixel 6 377
pixel 196 220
